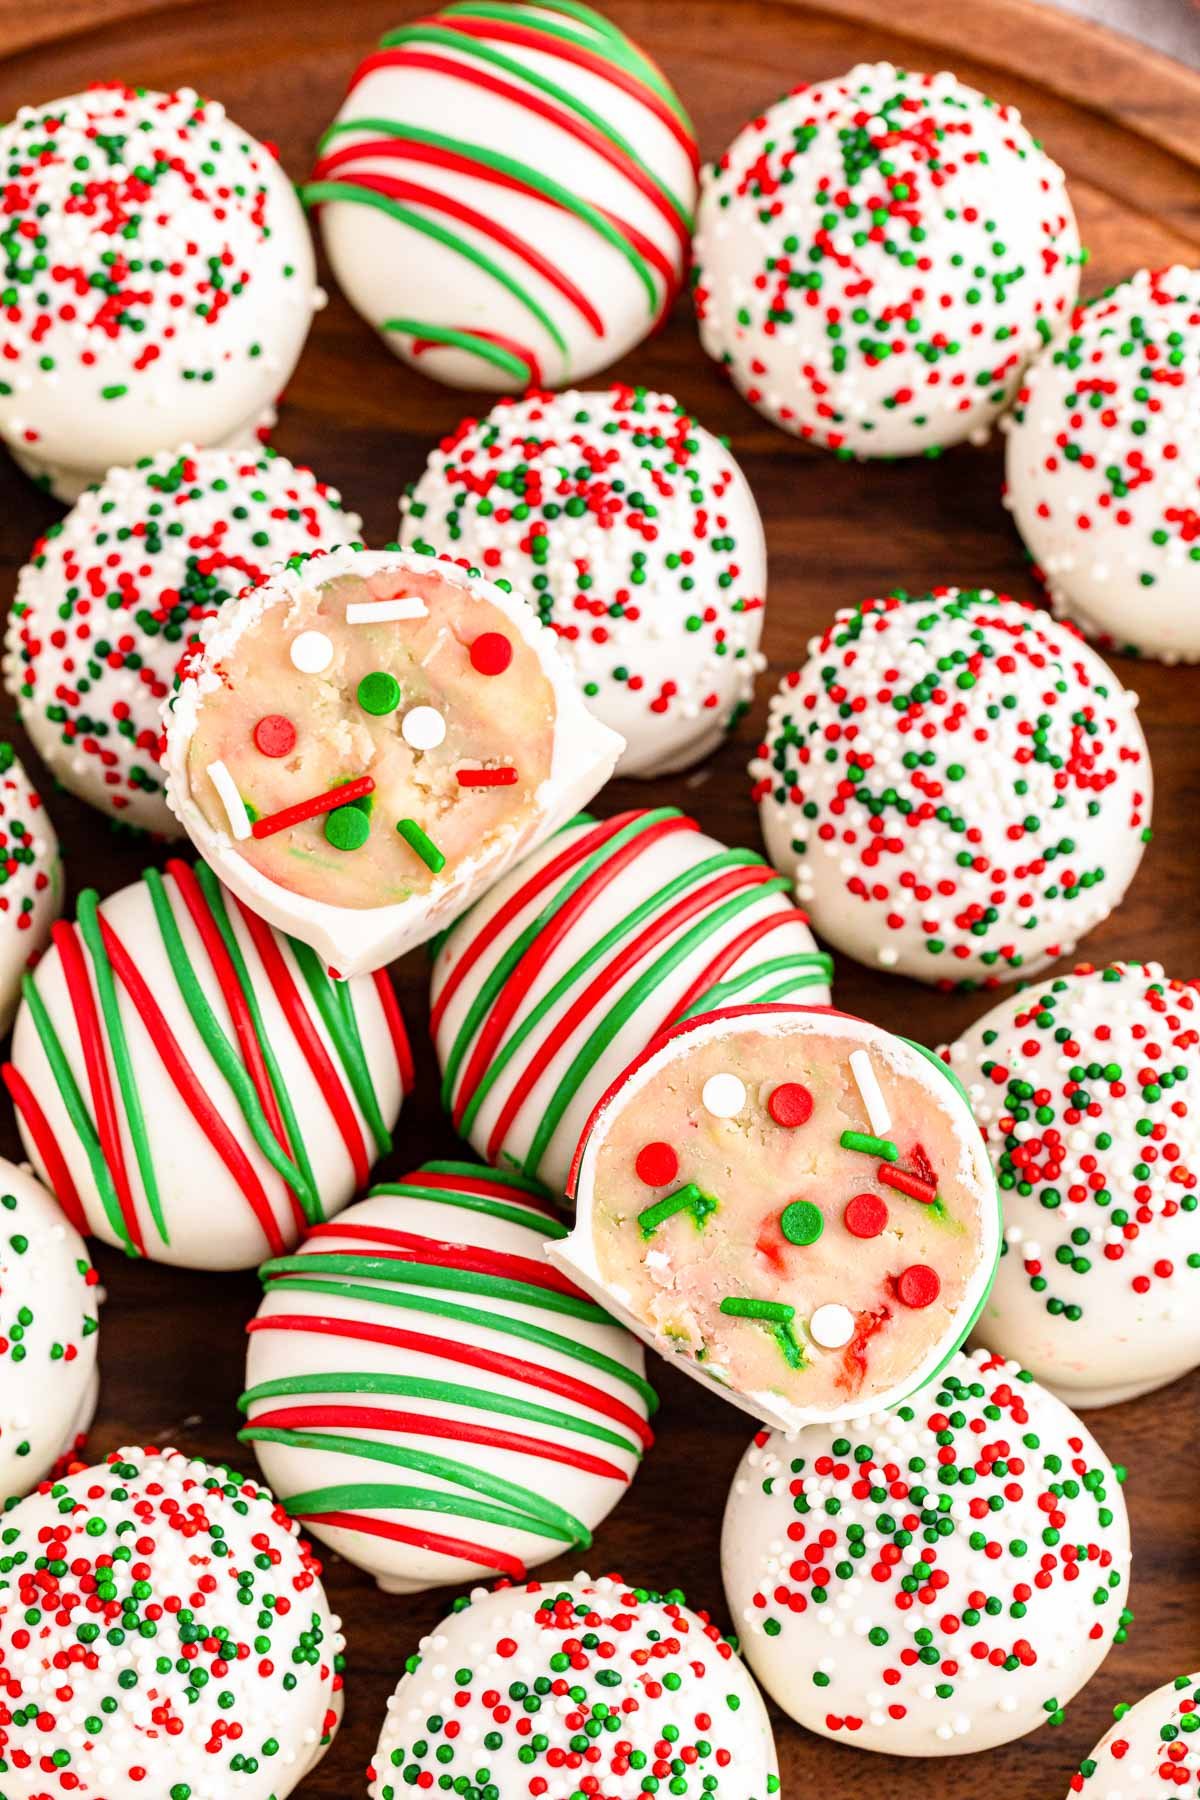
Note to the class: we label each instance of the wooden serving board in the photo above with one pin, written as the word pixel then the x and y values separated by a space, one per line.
pixel 1123 123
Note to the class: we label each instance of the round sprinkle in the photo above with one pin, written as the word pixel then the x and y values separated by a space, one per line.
pixel 423 728
pixel 491 653
pixel 724 1096
pixel 379 693
pixel 312 652
pixel 790 1105
pixel 831 1326
pixel 918 1286
pixel 656 1164
pixel 347 828
pixel 801 1222
pixel 865 1216
pixel 274 735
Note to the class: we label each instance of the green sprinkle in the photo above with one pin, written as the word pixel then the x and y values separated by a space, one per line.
pixel 424 846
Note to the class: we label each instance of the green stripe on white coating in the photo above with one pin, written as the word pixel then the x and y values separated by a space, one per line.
pixel 809 968
pixel 480 1172
pixel 384 1498
pixel 434 1275
pixel 496 1209
pixel 335 1003
pixel 463 340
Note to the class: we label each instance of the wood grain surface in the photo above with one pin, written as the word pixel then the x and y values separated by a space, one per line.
pixel 1123 123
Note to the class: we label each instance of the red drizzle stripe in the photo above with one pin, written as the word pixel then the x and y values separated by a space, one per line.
pixel 521 351
pixel 424 1540
pixel 396 1028
pixel 516 989
pixel 410 1246
pixel 305 1032
pixel 478 1184
pixel 91 1039
pixel 46 1145
pixel 381 1418
pixel 190 1090
pixel 558 866
pixel 243 1024
pixel 583 59
pixel 530 101
pixel 472 1356
pixel 726 958
pixel 605 980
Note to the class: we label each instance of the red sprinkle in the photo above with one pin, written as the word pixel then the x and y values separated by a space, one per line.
pixel 790 1105
pixel 274 735
pixel 656 1164
pixel 504 777
pixel 918 1286
pixel 312 809
pixel 491 653
pixel 865 1216
pixel 904 1183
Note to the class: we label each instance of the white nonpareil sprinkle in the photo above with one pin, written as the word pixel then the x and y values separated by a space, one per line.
pixel 312 652
pixel 831 1326
pixel 386 612
pixel 870 1092
pixel 724 1096
pixel 423 727
pixel 231 800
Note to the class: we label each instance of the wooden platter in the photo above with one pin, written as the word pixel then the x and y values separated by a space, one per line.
pixel 1122 121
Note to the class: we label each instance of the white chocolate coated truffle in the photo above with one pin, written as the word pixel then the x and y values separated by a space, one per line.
pixel 958 783
pixel 193 1086
pixel 113 595
pixel 507 196
pixel 488 1426
pixel 1083 1087
pixel 878 257
pixel 635 534
pixel 934 1580
pixel 1103 471
pixel 1151 1753
pixel 48 1333
pixel 165 276
pixel 31 879
pixel 587 1654
pixel 202 1654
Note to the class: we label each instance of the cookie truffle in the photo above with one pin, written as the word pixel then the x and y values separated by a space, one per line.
pixel 940 1579
pixel 1081 1086
pixel 636 536
pixel 433 1400
pixel 48 1333
pixel 959 785
pixel 163 1631
pixel 113 594
pixel 1152 1749
pixel 31 879
pixel 368 739
pixel 1104 466
pixel 794 1204
pixel 878 257
pixel 192 1085
pixel 508 197
pixel 566 970
pixel 628 1685
pixel 160 281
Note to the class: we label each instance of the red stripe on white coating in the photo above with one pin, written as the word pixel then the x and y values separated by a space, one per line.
pixel 442 1253
pixel 423 1540
pixel 726 958
pixel 45 1143
pixel 397 1031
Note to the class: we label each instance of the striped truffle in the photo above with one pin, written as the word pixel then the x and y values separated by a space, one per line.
pixel 614 930
pixel 432 1399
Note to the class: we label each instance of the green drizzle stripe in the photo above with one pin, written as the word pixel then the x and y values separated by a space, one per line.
pixel 633 997
pixel 482 1002
pixel 382 1497
pixel 504 1323
pixel 448 1393
pixel 317 193
pixel 219 1048
pixel 533 1509
pixel 496 354
pixel 335 1003
pixel 211 889
pixel 817 972
pixel 481 1203
pixel 507 1177
pixel 435 949
pixel 419 1274
pixel 77 1110
pixel 89 929
pixel 655 903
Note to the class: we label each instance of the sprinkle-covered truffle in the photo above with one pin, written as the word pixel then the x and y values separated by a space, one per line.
pixel 581 1687
pixel 114 594
pixel 1082 1086
pixel 1152 1751
pixel 878 257
pixel 959 785
pixel 31 881
pixel 163 1631
pixel 158 282
pixel 1104 466
pixel 636 536
pixel 936 1579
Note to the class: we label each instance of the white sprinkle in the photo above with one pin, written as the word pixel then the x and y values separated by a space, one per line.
pixel 231 800
pixel 423 727
pixel 724 1096
pixel 831 1326
pixel 386 612
pixel 870 1093
pixel 312 652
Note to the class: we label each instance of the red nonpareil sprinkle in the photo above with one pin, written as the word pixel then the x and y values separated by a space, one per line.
pixel 491 653
pixel 275 735
pixel 505 776
pixel 790 1105
pixel 918 1286
pixel 865 1216
pixel 312 809
pixel 656 1164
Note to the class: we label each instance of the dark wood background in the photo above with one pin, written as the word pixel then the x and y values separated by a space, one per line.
pixel 1124 124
